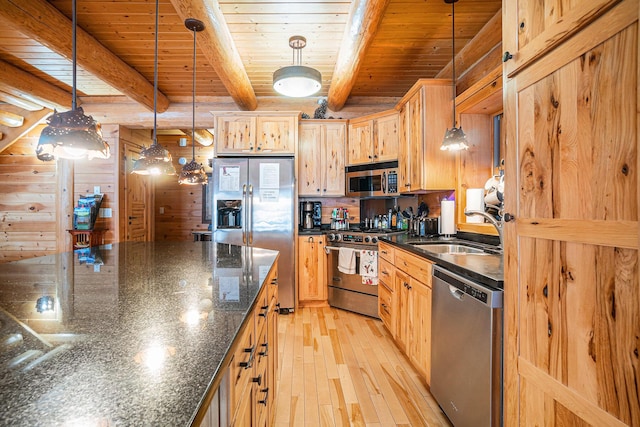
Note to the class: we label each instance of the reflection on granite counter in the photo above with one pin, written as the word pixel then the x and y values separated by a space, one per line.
pixel 136 338
pixel 486 268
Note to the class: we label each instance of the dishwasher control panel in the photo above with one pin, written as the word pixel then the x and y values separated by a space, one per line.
pixel 476 291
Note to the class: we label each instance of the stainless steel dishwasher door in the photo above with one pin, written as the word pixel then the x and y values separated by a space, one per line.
pixel 466 350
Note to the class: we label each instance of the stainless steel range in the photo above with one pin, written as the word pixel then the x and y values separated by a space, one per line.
pixel 346 287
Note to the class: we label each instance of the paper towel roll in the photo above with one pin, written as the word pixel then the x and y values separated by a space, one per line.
pixel 475 202
pixel 448 217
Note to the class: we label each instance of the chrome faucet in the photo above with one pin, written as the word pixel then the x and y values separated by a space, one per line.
pixel 497 224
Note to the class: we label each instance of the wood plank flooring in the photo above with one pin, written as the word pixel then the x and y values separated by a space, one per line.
pixel 343 369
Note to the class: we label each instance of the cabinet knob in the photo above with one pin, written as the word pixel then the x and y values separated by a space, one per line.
pixel 508 217
pixel 506 56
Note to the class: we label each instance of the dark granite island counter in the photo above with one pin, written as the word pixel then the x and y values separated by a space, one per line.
pixel 126 334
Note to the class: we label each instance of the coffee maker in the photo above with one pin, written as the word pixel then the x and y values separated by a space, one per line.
pixel 310 215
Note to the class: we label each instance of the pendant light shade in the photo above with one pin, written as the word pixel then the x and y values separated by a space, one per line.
pixel 297 81
pixel 193 173
pixel 154 160
pixel 72 134
pixel 454 138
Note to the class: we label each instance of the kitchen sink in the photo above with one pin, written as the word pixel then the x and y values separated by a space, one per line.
pixel 450 248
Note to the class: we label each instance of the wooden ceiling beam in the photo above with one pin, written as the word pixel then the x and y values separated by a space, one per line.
pixel 41 21
pixel 363 22
pixel 19 102
pixel 31 120
pixel 218 47
pixel 202 136
pixel 25 86
pixel 484 42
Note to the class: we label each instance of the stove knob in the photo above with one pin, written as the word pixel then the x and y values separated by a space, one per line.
pixel 367 239
pixel 374 239
pixel 338 237
pixel 331 237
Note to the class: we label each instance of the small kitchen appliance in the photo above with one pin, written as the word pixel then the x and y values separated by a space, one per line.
pixel 310 215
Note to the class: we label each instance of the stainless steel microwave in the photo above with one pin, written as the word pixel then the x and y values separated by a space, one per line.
pixel 376 180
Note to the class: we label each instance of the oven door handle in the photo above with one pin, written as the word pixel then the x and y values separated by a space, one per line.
pixel 328 249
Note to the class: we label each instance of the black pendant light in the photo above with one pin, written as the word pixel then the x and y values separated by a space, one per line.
pixel 193 173
pixel 454 138
pixel 155 160
pixel 72 134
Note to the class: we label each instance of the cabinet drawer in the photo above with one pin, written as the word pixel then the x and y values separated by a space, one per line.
pixel 272 286
pixel 413 265
pixel 385 307
pixel 241 367
pixel 386 251
pixel 386 272
pixel 261 311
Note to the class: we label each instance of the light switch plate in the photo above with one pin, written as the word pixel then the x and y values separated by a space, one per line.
pixel 96 189
pixel 161 210
pixel 96 268
pixel 105 213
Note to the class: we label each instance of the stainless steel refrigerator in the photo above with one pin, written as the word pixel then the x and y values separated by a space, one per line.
pixel 253 205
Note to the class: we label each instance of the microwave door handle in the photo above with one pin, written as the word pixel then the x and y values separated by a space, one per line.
pixel 384 183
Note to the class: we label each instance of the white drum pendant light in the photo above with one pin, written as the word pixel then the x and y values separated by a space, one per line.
pixel 454 138
pixel 297 81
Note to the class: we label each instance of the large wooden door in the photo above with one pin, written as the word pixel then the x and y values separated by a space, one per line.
pixel 138 201
pixel 572 296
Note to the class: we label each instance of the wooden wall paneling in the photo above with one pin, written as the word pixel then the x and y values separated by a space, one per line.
pixel 28 202
pixel 474 166
pixel 572 303
pixel 182 204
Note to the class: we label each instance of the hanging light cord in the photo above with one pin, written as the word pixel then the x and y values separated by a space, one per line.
pixel 193 108
pixel 453 57
pixel 73 57
pixel 155 82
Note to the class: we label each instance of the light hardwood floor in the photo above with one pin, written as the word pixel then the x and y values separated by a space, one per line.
pixel 343 369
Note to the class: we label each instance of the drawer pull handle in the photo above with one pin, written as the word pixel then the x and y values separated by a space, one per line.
pixel 266 396
pixel 251 350
pixel 264 310
pixel 265 352
pixel 257 379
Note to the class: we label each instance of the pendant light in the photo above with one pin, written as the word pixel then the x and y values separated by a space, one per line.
pixel 72 134
pixel 193 173
pixel 155 160
pixel 454 138
pixel 297 81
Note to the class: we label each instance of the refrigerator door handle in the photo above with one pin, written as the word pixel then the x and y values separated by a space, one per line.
pixel 250 211
pixel 246 212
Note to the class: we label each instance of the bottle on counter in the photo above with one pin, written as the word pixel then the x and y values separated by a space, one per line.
pixel 385 222
pixel 393 218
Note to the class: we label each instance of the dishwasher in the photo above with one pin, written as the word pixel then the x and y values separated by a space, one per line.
pixel 466 350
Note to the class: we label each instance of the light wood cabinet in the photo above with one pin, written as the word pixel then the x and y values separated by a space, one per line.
pixel 253 366
pixel 404 303
pixel 424 116
pixel 572 299
pixel 321 158
pixel 373 138
pixel 238 133
pixel 312 276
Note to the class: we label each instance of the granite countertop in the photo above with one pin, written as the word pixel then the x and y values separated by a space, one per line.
pixel 137 333
pixel 486 269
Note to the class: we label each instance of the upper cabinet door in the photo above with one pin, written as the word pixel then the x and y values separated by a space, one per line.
pixel 360 137
pixel 235 134
pixel 309 169
pixel 385 138
pixel 530 30
pixel 276 135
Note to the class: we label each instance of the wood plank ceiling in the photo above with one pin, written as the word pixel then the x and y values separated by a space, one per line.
pixel 386 46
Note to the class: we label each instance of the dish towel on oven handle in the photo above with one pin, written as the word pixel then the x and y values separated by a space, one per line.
pixel 347 260
pixel 369 267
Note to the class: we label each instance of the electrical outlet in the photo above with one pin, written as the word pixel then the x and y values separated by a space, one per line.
pixel 105 213
pixel 161 210
pixel 96 268
pixel 96 189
